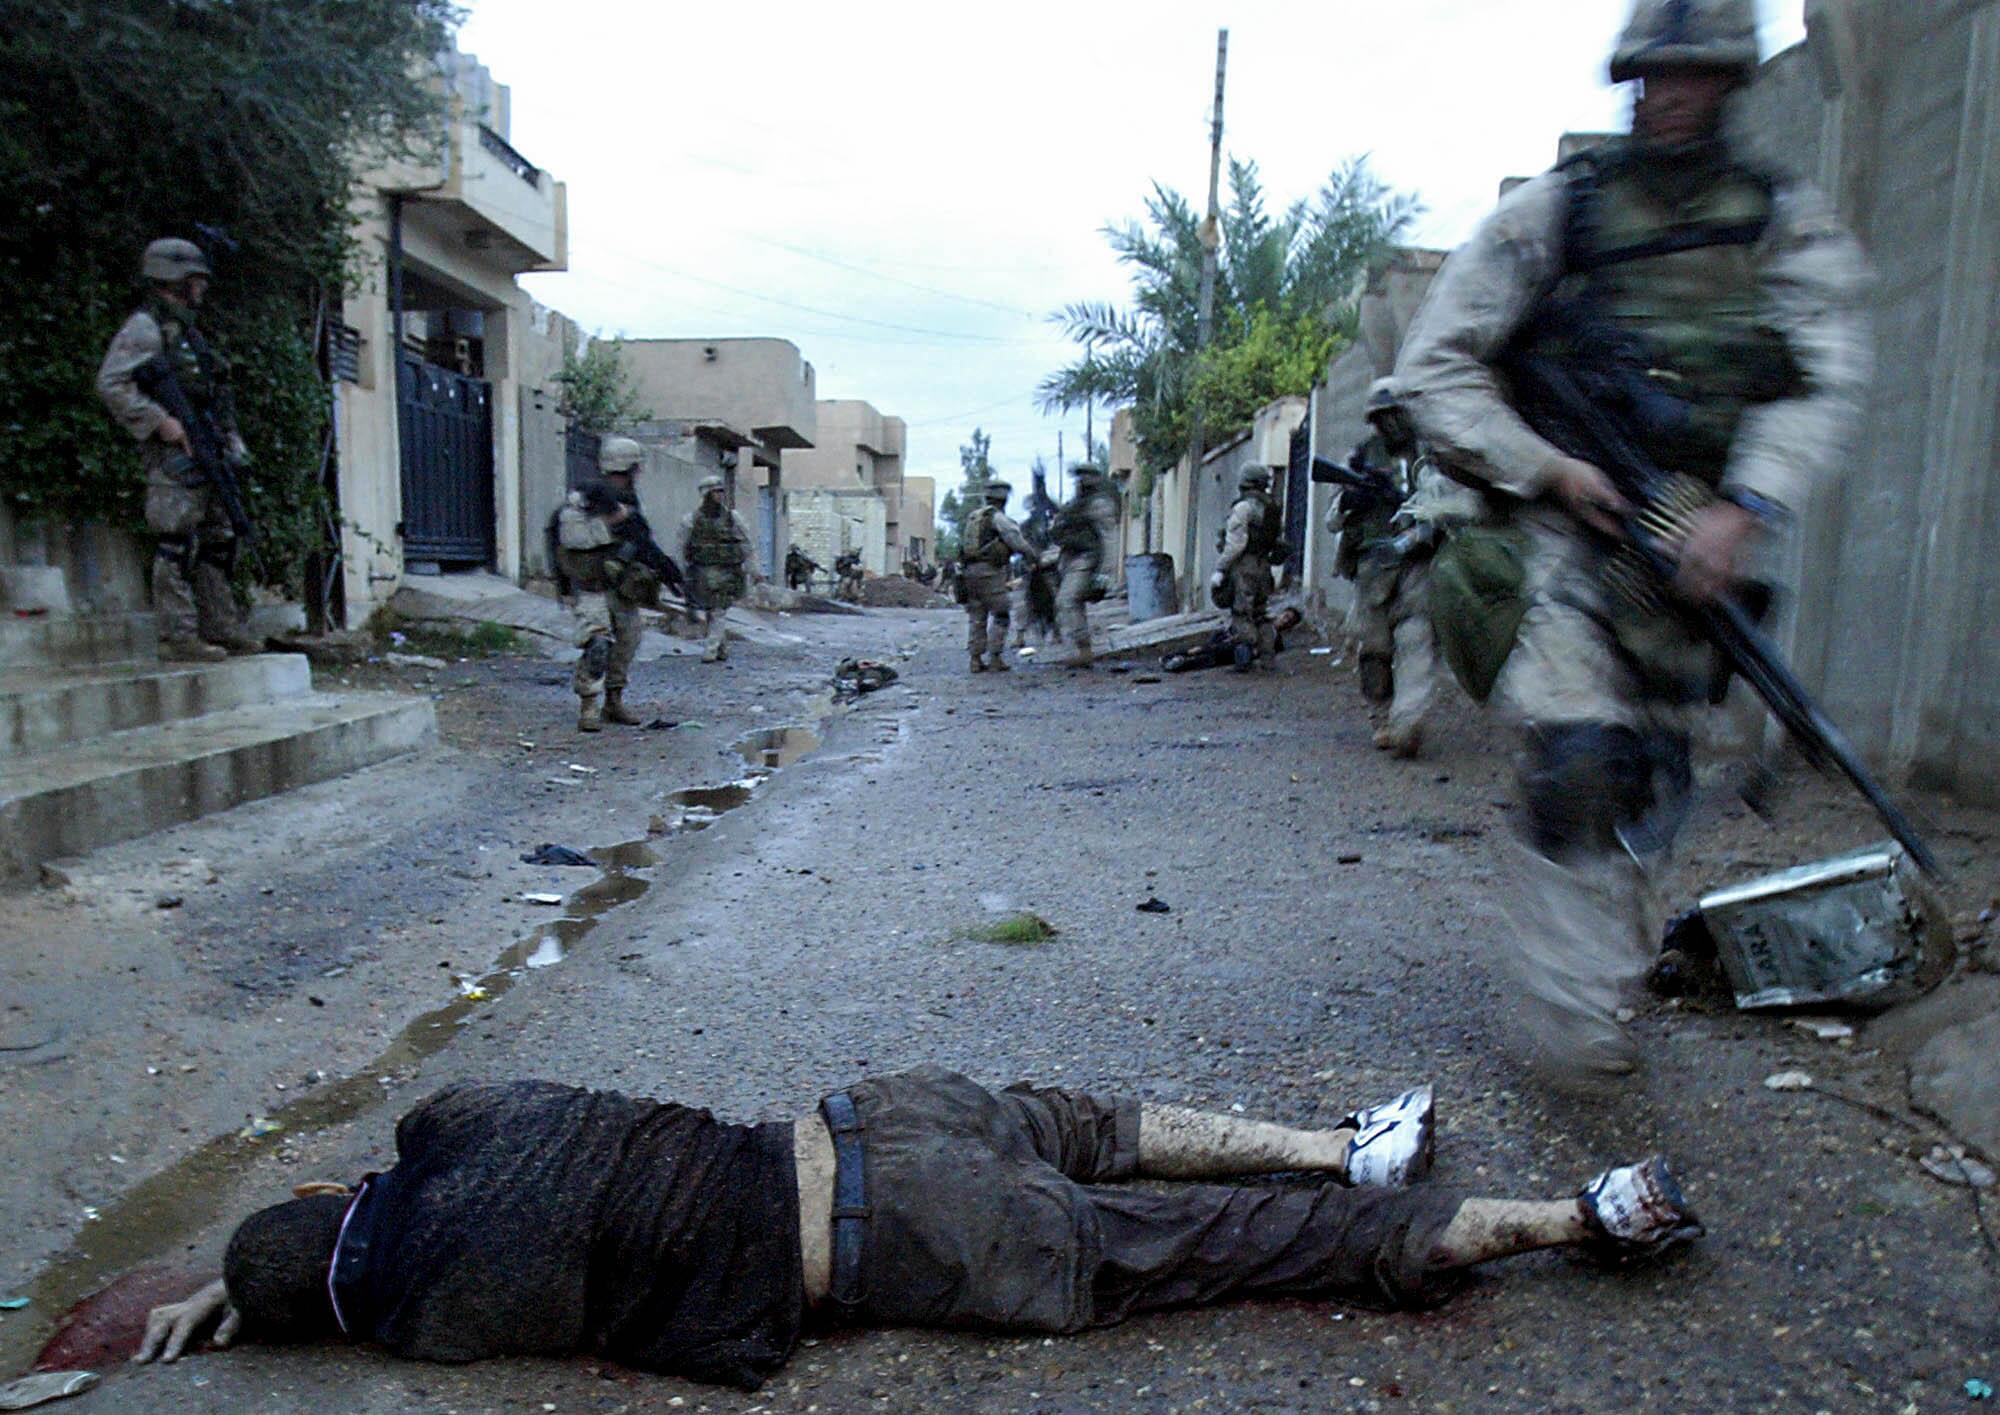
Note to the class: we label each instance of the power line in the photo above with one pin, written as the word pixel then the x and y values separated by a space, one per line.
pixel 882 275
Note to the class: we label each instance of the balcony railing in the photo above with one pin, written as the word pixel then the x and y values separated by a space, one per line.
pixel 513 161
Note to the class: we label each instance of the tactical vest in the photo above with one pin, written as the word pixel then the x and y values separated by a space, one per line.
pixel 1669 257
pixel 202 373
pixel 715 541
pixel 1267 532
pixel 1074 529
pixel 979 545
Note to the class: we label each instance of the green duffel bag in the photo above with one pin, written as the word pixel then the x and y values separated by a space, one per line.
pixel 1478 595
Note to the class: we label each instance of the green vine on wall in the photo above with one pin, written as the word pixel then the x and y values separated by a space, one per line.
pixel 124 120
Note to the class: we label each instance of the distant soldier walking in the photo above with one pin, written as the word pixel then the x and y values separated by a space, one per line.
pixel 716 545
pixel 1252 537
pixel 988 540
pixel 847 570
pixel 799 569
pixel 1083 530
pixel 608 568
pixel 1720 300
pixel 169 388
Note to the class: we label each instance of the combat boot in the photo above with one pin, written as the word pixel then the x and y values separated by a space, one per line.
pixel 191 650
pixel 590 714
pixel 999 664
pixel 978 664
pixel 616 711
pixel 1378 677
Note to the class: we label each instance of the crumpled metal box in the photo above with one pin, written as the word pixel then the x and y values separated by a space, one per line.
pixel 1864 929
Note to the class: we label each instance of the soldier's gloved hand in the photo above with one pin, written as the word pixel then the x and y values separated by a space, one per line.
pixel 1215 580
pixel 173 434
pixel 170 1328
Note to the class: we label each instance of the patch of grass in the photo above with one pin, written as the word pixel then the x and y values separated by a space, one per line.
pixel 1015 928
pixel 441 638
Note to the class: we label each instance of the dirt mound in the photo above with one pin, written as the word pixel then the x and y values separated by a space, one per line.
pixel 899 592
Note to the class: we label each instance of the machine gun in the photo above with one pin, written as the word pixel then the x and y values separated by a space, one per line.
pixel 208 448
pixel 1368 486
pixel 1589 410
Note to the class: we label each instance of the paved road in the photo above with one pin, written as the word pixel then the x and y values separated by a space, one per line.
pixel 1331 940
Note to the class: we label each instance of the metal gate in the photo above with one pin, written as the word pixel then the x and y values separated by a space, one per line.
pixel 580 457
pixel 446 424
pixel 1298 495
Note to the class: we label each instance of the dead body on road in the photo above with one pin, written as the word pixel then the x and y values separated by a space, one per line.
pixel 529 1218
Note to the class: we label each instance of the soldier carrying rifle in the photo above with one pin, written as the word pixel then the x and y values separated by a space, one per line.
pixel 1741 289
pixel 169 388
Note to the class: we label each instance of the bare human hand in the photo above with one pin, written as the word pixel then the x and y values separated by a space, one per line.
pixel 173 434
pixel 1711 558
pixel 170 1328
pixel 1588 495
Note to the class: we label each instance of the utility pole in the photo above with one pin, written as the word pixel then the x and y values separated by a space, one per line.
pixel 1211 240
pixel 1059 467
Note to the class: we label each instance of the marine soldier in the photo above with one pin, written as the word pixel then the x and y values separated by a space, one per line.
pixel 716 545
pixel 1397 570
pixel 1252 537
pixel 987 542
pixel 1363 523
pixel 848 568
pixel 604 576
pixel 1737 291
pixel 197 539
pixel 799 569
pixel 1082 531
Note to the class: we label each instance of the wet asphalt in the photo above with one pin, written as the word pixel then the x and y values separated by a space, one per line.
pixel 1332 938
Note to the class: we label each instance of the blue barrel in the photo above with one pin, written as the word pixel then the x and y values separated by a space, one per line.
pixel 1150 590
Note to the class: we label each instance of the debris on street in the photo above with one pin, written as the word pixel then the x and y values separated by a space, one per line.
pixel 856 676
pixel 540 897
pixel 1788 1081
pixel 1864 929
pixel 1015 928
pixel 45 1386
pixel 1155 905
pixel 549 854
pixel 1950 1164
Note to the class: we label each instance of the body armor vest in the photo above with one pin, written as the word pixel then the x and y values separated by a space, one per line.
pixel 1666 253
pixel 1267 534
pixel 1074 529
pixel 980 545
pixel 202 373
pixel 715 541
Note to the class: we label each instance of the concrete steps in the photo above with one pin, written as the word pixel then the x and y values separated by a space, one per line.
pixel 133 783
pixel 101 742
pixel 42 710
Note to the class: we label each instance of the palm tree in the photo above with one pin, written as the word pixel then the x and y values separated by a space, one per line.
pixel 1304 267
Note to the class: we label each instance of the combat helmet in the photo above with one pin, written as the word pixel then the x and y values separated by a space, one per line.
pixel 997 491
pixel 1258 477
pixel 619 454
pixel 170 260
pixel 711 483
pixel 1687 34
pixel 1086 471
pixel 1386 414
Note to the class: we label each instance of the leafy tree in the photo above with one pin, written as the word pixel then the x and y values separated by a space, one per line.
pixel 598 394
pixel 123 120
pixel 1288 284
pixel 975 469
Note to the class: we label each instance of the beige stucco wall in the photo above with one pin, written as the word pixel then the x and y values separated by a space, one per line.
pixel 762 385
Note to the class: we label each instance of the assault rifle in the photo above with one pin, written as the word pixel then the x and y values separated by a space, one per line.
pixel 637 546
pixel 209 448
pixel 1369 486
pixel 1588 409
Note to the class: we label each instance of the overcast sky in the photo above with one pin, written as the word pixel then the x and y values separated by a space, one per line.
pixel 907 190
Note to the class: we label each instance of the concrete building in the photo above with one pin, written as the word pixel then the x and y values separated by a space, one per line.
pixel 919 519
pixel 1893 108
pixel 735 406
pixel 430 350
pixel 861 449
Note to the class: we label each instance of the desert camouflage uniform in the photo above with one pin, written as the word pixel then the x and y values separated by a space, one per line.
pixel 715 548
pixel 607 620
pixel 1606 712
pixel 1089 520
pixel 1251 536
pixel 989 540
pixel 191 593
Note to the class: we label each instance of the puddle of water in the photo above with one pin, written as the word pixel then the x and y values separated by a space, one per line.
pixel 777 747
pixel 165 1209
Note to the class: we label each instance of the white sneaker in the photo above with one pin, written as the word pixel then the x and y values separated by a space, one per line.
pixel 1394 1142
pixel 1637 1210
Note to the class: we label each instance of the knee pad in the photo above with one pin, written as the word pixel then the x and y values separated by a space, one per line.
pixel 1580 783
pixel 596 657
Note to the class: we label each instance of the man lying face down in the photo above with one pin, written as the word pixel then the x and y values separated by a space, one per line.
pixel 529 1218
